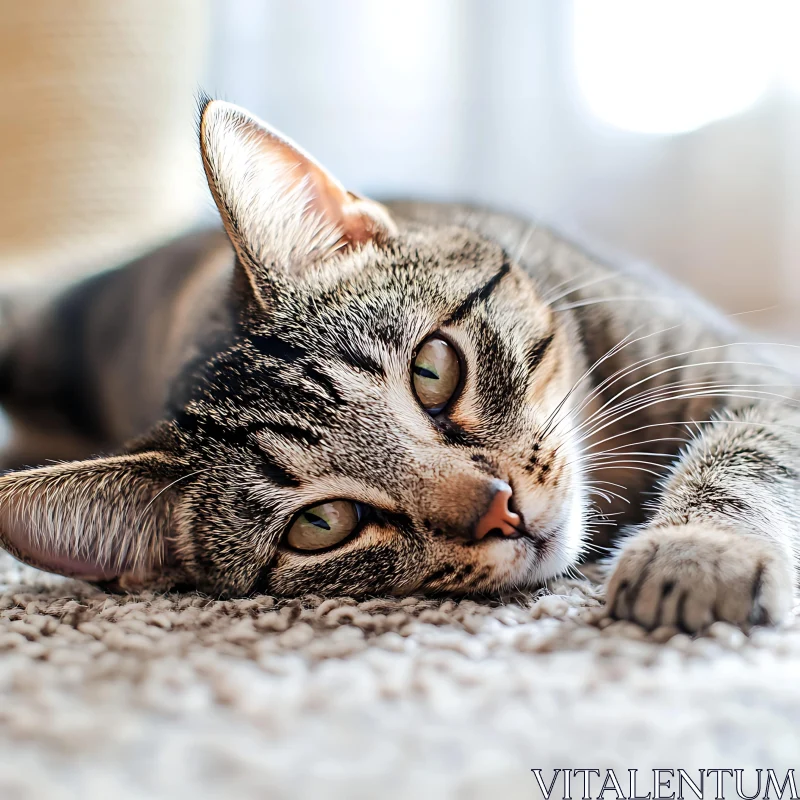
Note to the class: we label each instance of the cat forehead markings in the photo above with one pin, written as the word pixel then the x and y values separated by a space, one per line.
pixel 305 395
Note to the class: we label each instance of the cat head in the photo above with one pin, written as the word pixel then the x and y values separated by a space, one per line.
pixel 391 415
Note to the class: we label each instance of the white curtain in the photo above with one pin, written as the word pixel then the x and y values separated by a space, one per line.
pixel 492 102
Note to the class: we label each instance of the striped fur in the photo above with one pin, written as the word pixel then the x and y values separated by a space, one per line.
pixel 246 383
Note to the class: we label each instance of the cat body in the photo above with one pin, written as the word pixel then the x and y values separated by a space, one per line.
pixel 266 387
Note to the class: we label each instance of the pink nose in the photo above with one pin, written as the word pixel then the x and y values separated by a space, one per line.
pixel 498 516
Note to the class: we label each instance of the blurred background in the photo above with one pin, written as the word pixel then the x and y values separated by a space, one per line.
pixel 659 131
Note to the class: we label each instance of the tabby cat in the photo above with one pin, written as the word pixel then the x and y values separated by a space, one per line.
pixel 338 396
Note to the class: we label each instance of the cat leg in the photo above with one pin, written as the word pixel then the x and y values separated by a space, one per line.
pixel 723 541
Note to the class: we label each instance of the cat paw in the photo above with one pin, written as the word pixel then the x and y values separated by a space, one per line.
pixel 692 575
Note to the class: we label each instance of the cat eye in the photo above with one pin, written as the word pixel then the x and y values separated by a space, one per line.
pixel 324 525
pixel 436 372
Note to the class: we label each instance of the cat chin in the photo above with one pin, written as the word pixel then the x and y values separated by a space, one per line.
pixel 567 542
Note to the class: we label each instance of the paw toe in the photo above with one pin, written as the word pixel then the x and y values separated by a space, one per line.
pixel 691 576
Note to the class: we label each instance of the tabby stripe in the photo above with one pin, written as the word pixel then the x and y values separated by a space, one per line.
pixel 276 347
pixel 718 500
pixel 360 360
pixel 396 519
pixel 235 436
pixel 759 464
pixel 321 379
pixel 293 432
pixel 446 571
pixel 276 473
pixel 455 435
pixel 479 295
pixel 536 352
pixel 240 436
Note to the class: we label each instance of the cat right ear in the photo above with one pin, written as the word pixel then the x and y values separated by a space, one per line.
pixel 282 210
pixel 106 519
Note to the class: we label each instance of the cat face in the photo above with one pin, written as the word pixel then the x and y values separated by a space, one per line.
pixel 389 416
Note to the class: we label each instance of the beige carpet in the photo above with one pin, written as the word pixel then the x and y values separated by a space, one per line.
pixel 185 697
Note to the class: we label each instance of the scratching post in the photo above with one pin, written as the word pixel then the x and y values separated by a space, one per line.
pixel 97 151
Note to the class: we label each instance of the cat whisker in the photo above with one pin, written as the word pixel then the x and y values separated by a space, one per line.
pixel 594 457
pixel 629 369
pixel 624 372
pixel 687 396
pixel 530 230
pixel 625 467
pixel 618 485
pixel 547 427
pixel 602 465
pixel 593 282
pixel 666 390
pixel 615 299
pixel 622 344
pixel 671 423
pixel 593 488
pixel 674 369
pixel 593 547
pixel 625 342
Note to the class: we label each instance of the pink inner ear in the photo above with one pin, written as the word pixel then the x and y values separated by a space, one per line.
pixel 358 219
pixel 29 550
pixel 74 568
pixel 339 207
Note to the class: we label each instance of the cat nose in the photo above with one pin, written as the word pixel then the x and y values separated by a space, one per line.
pixel 498 516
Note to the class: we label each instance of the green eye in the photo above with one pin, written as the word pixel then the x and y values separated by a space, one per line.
pixel 324 525
pixel 436 372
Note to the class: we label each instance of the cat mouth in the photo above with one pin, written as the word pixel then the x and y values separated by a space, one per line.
pixel 538 535
pixel 542 540
pixel 546 537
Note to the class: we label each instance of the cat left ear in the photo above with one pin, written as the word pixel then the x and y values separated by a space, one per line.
pixel 106 519
pixel 281 208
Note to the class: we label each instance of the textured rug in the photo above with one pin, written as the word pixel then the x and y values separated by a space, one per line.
pixel 181 696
